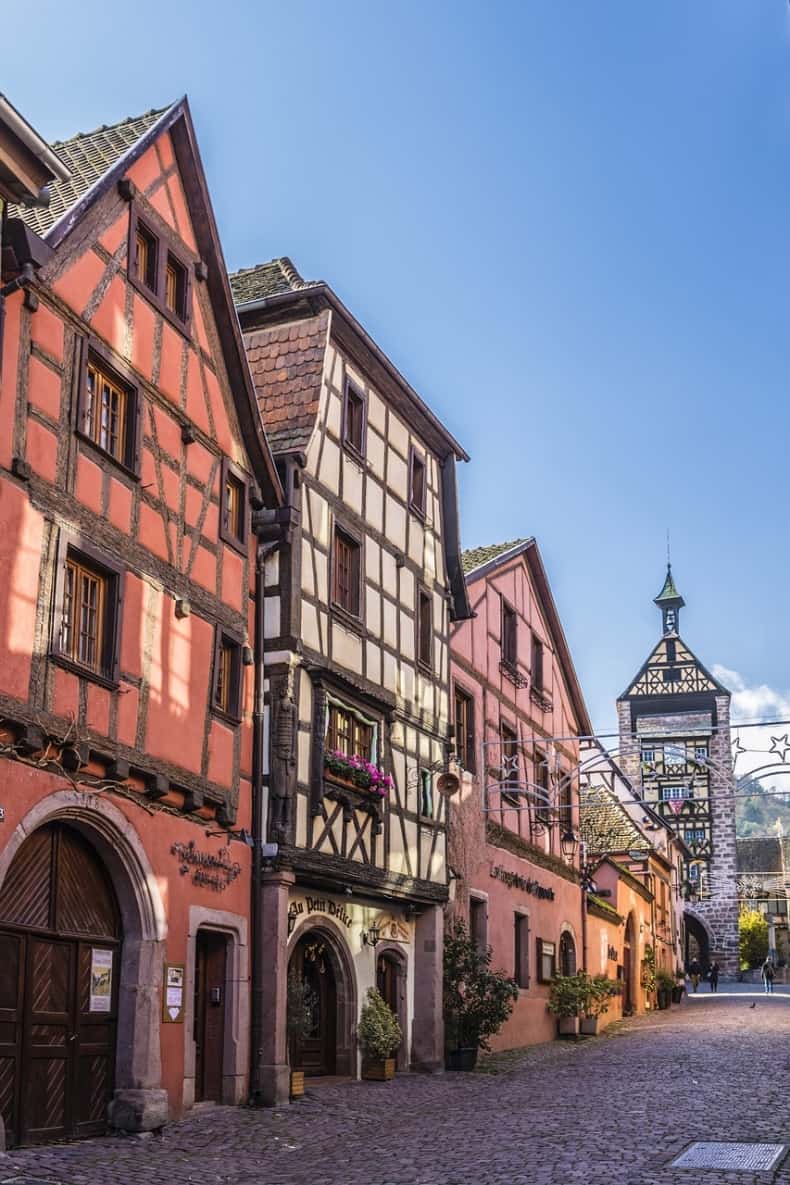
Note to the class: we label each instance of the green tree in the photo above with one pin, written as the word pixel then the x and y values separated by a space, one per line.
pixel 753 938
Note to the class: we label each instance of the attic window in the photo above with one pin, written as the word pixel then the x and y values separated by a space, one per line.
pixel 417 483
pixel 176 287
pixel 354 420
pixel 146 256
pixel 159 270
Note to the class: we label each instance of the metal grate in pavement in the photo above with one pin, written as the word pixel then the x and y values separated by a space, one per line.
pixel 746 1157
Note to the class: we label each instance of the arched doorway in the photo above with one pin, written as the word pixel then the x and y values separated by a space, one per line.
pixel 697 941
pixel 312 964
pixel 60 955
pixel 628 967
pixel 567 953
pixel 391 984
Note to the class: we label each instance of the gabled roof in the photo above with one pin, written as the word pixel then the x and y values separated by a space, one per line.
pixel 87 157
pixel 98 160
pixel 477 557
pixel 267 279
pixel 605 824
pixel 694 676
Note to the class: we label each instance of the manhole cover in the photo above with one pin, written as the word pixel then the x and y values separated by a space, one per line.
pixel 710 1155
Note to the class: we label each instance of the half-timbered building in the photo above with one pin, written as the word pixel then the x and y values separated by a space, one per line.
pixel 131 453
pixel 675 748
pixel 518 713
pixel 358 608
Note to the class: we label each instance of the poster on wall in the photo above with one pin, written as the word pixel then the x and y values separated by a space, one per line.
pixel 101 980
pixel 173 1003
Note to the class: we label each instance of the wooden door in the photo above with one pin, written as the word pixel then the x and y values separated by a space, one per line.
pixel 315 1052
pixel 59 961
pixel 628 972
pixel 210 972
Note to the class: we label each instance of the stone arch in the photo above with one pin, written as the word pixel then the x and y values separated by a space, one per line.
pixel 631 963
pixel 395 952
pixel 345 988
pixel 139 1102
pixel 567 949
pixel 698 929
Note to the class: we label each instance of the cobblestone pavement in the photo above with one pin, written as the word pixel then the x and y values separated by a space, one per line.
pixel 608 1111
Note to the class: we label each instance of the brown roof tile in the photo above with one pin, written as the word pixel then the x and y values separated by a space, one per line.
pixel 287 370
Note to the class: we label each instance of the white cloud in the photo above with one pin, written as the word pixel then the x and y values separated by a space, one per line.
pixel 763 744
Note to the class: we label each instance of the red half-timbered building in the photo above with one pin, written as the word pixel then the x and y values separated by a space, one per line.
pixel 131 457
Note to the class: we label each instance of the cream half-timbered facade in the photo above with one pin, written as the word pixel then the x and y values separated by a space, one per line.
pixel 358 608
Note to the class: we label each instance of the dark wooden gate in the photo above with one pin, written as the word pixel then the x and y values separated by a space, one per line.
pixel 316 1051
pixel 210 971
pixel 59 966
pixel 628 968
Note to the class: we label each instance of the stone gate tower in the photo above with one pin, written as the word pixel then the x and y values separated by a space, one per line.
pixel 674 722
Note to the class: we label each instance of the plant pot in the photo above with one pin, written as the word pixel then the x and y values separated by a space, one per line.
pixel 379 1071
pixel 677 993
pixel 464 1058
pixel 588 1026
pixel 664 997
pixel 568 1026
pixel 297 1084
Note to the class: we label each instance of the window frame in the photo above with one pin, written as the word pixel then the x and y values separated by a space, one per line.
pixel 347 709
pixel 233 713
pixel 469 740
pixel 166 245
pixel 424 662
pixel 229 470
pixel 94 353
pixel 478 934
pixel 112 610
pixel 546 950
pixel 521 942
pixel 359 452
pixel 510 796
pixel 538 685
pixel 508 614
pixel 419 508
pixel 353 616
pixel 427 792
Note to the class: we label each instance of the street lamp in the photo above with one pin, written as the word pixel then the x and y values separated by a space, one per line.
pixel 568 844
pixel 371 936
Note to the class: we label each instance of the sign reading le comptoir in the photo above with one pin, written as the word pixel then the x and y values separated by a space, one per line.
pixel 514 881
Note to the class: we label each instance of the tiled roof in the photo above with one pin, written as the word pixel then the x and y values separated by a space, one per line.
pixel 287 365
pixel 266 279
pixel 475 557
pixel 669 592
pixel 87 156
pixel 605 825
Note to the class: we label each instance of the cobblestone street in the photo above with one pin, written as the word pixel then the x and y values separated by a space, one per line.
pixel 718 1070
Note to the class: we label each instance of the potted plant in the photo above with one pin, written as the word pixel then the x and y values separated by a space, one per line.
pixel 379 1036
pixel 569 996
pixel 679 986
pixel 299 1022
pixel 647 973
pixel 601 991
pixel 477 1000
pixel 665 985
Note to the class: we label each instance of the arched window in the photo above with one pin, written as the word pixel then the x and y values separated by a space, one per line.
pixel 567 954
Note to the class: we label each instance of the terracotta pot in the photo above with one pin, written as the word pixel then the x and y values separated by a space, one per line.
pixel 589 1026
pixel 379 1071
pixel 464 1059
pixel 568 1026
pixel 297 1084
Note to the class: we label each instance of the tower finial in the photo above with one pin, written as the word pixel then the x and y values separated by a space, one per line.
pixel 669 557
pixel 669 600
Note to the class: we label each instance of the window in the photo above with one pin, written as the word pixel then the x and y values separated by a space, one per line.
pixel 354 420
pixel 227 676
pixel 417 483
pixel 649 756
pixel 567 954
pixel 345 572
pixel 674 756
pixel 108 412
pixel 537 664
pixel 349 733
pixel 234 502
pixel 547 961
pixel 478 922
pixel 87 616
pixel 694 835
pixel 426 793
pixel 509 767
pixel 424 629
pixel 521 950
pixel 146 251
pixel 672 793
pixel 465 730
pixel 508 641
pixel 700 752
pixel 159 271
pixel 541 788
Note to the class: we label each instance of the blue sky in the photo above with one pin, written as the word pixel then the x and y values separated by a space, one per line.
pixel 569 226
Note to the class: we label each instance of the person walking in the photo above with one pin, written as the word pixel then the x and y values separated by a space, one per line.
pixel 768 976
pixel 695 971
pixel 714 976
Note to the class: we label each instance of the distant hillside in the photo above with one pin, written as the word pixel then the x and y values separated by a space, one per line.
pixel 759 814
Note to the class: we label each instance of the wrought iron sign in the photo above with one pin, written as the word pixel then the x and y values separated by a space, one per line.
pixel 210 870
pixel 527 884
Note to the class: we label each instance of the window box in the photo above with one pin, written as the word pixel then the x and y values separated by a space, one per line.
pixel 356 772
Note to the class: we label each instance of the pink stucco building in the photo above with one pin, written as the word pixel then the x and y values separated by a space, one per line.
pixel 519 712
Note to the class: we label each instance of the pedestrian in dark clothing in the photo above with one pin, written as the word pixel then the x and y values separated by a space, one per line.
pixel 695 971
pixel 714 977
pixel 768 976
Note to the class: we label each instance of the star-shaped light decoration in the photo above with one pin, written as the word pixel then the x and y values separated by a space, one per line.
pixel 737 747
pixel 780 746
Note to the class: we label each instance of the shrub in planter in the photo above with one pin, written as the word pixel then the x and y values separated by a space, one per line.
pixel 299 1022
pixel 665 985
pixel 569 996
pixel 601 991
pixel 379 1036
pixel 477 1000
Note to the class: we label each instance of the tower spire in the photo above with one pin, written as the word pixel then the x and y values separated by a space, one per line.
pixel 669 600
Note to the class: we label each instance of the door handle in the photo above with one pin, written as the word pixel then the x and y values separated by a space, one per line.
pixel 73 1037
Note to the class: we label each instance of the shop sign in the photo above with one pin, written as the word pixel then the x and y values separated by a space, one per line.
pixel 392 929
pixel 515 881
pixel 173 1002
pixel 310 905
pixel 101 981
pixel 211 870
